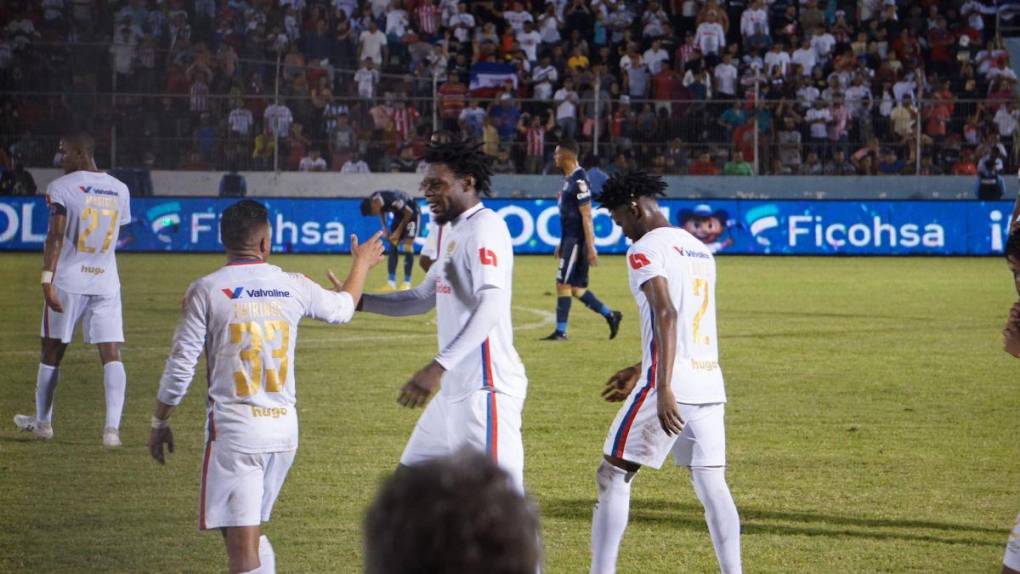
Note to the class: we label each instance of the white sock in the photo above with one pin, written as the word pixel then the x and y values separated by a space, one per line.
pixel 610 519
pixel 266 556
pixel 115 382
pixel 45 384
pixel 720 514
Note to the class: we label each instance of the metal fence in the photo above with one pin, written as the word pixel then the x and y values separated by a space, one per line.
pixel 136 124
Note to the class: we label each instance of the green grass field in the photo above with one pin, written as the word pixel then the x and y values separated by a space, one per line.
pixel 872 424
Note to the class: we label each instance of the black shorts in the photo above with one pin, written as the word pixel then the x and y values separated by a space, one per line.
pixel 573 263
pixel 410 230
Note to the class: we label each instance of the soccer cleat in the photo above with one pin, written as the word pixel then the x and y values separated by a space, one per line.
pixel 390 287
pixel 42 431
pixel 555 336
pixel 406 286
pixel 614 321
pixel 111 437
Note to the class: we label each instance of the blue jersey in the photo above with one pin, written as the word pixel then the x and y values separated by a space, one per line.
pixel 396 202
pixel 576 192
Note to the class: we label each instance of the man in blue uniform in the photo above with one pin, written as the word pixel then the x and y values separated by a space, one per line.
pixel 576 251
pixel 402 230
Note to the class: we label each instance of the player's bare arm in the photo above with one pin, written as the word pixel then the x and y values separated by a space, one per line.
pixel 620 385
pixel 656 290
pixel 589 234
pixel 51 252
pixel 365 256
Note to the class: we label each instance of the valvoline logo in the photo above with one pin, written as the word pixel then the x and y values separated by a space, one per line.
pixel 240 292
pixel 95 190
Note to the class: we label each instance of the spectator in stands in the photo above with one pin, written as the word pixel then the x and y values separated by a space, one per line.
pixel 737 165
pixel 990 185
pixel 355 165
pixel 839 165
pixel 312 162
pixel 566 109
pixel 812 165
pixel 367 78
pixel 534 130
pixel 343 141
pixel 704 165
pixel 504 116
pixel 889 164
pixel 372 44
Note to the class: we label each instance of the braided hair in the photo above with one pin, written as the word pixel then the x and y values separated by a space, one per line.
pixel 624 188
pixel 464 158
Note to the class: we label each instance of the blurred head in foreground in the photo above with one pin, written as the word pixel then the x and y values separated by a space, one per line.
pixel 457 515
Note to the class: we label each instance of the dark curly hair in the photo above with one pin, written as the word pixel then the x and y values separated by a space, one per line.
pixel 454 515
pixel 626 187
pixel 464 158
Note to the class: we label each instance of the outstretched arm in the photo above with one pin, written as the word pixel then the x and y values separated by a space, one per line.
pixel 417 301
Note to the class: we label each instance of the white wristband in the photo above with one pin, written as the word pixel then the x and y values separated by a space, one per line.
pixel 47 277
pixel 159 424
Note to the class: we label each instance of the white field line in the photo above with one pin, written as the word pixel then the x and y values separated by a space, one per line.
pixel 545 319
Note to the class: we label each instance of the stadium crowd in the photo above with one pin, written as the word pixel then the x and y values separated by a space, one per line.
pixel 816 87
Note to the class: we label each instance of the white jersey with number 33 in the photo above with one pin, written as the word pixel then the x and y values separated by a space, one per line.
pixel 97 204
pixel 245 317
pixel 689 268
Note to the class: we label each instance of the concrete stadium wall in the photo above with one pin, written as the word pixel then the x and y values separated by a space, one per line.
pixel 331 184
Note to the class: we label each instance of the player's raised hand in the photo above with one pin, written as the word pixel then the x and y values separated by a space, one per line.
pixel 620 385
pixel 369 253
pixel 669 413
pixel 157 438
pixel 50 295
pixel 416 392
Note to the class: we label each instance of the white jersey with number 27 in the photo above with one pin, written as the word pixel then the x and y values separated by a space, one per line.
pixel 97 205
pixel 689 269
pixel 245 317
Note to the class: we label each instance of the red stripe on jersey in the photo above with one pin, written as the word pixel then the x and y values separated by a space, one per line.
pixel 46 320
pixel 205 473
pixel 493 428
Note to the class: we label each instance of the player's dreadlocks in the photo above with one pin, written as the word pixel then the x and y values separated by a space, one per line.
pixel 623 188
pixel 464 158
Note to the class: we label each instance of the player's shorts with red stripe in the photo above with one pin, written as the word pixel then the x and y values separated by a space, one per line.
pixel 636 435
pixel 240 489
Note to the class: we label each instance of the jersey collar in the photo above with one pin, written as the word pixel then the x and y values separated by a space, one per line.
pixel 579 168
pixel 467 214
pixel 247 261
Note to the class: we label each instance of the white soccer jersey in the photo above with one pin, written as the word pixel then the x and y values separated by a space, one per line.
pixel 97 205
pixel 689 268
pixel 433 234
pixel 245 317
pixel 475 252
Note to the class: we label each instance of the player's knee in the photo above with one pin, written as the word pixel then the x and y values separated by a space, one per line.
pixel 613 470
pixel 242 549
pixel 563 290
pixel 578 292
pixel 52 352
pixel 109 352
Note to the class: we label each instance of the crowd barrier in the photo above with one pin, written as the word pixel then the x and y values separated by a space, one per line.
pixel 757 227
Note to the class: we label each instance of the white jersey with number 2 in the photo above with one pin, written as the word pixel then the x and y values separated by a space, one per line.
pixel 689 268
pixel 245 317
pixel 97 205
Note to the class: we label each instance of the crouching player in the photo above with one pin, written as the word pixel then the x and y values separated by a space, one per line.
pixel 678 405
pixel 245 316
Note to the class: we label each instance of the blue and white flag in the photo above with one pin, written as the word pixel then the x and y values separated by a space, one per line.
pixel 491 75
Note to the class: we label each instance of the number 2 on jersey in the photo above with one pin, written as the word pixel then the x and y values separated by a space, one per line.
pixel 701 290
pixel 90 217
pixel 247 382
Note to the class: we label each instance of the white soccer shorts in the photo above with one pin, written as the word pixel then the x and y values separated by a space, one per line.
pixel 636 435
pixel 239 489
pixel 484 420
pixel 1012 557
pixel 100 317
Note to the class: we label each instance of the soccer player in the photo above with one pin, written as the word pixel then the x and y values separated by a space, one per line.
pixel 1011 335
pixel 80 281
pixel 576 251
pixel 483 381
pixel 402 231
pixel 245 317
pixel 679 405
